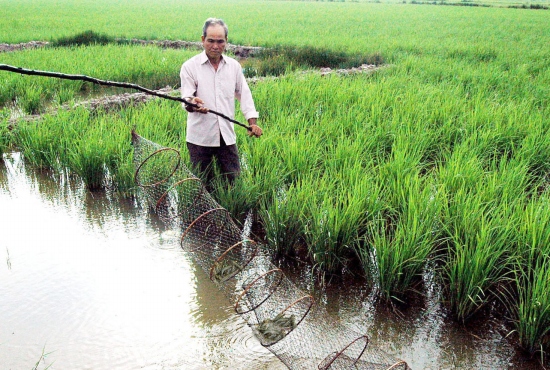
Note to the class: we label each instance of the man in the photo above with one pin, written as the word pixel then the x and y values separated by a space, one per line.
pixel 213 80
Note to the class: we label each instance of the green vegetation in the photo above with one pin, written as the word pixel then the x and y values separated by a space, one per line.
pixel 441 156
pixel 85 38
pixel 281 59
pixel 148 66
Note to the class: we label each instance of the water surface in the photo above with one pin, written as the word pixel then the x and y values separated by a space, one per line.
pixel 96 283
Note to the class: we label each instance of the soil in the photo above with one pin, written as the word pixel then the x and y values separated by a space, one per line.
pixel 22 46
pixel 238 50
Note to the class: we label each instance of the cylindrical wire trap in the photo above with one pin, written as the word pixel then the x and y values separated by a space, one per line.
pixel 282 317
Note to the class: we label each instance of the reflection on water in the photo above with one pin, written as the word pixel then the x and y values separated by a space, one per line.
pixel 99 283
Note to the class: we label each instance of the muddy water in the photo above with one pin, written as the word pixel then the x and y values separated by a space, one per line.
pixel 95 282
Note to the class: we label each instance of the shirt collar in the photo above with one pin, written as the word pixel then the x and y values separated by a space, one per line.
pixel 204 58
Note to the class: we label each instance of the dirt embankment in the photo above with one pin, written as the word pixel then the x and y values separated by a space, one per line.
pixel 238 50
pixel 22 46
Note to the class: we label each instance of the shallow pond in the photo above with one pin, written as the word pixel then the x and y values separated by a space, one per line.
pixel 92 281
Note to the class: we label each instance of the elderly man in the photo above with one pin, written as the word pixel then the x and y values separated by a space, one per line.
pixel 213 80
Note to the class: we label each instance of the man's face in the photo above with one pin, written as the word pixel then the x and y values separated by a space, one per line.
pixel 214 42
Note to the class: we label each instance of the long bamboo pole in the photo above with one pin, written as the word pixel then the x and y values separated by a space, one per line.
pixel 6 67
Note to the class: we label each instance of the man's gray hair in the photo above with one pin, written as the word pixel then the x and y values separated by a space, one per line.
pixel 213 21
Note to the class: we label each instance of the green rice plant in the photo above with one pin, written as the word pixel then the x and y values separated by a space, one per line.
pixel 238 198
pixel 64 95
pixel 87 160
pixel 119 165
pixel 122 176
pixel 282 219
pixel 336 216
pixel 462 171
pixel 532 322
pixel 160 121
pixel 7 93
pixel 530 305
pixel 306 56
pixel 37 143
pixel 42 359
pixel 261 169
pixel 32 100
pixel 5 134
pixel 401 241
pixel 276 65
pixel 509 183
pixel 102 147
pixel 535 150
pixel 478 258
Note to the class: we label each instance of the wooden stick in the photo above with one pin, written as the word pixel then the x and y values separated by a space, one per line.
pixel 6 67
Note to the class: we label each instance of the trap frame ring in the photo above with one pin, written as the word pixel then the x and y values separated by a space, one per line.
pixel 306 297
pixel 200 217
pixel 338 354
pixel 398 364
pixel 163 196
pixel 224 254
pixel 247 288
pixel 136 177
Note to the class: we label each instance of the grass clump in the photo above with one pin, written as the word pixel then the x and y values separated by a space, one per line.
pixel 32 101
pixel 282 219
pixel 88 37
pixel 282 58
pixel 530 303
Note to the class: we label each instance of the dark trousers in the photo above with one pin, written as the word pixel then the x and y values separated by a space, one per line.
pixel 226 157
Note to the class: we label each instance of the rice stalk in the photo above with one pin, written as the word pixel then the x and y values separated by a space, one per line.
pixel 403 240
pixel 478 257
pixel 531 306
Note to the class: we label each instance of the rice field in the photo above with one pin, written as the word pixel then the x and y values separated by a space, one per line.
pixel 440 158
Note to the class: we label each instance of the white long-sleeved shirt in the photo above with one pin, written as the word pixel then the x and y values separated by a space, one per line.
pixel 218 89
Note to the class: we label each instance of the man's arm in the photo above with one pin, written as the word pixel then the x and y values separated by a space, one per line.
pixel 188 86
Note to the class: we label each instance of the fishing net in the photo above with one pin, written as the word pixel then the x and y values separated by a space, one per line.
pixel 282 317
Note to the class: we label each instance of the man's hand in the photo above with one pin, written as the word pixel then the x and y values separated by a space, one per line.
pixel 197 101
pixel 255 130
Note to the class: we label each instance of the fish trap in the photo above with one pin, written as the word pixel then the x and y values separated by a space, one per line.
pixel 282 317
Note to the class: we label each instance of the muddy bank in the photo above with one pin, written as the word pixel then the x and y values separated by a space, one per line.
pixel 238 50
pixel 22 46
